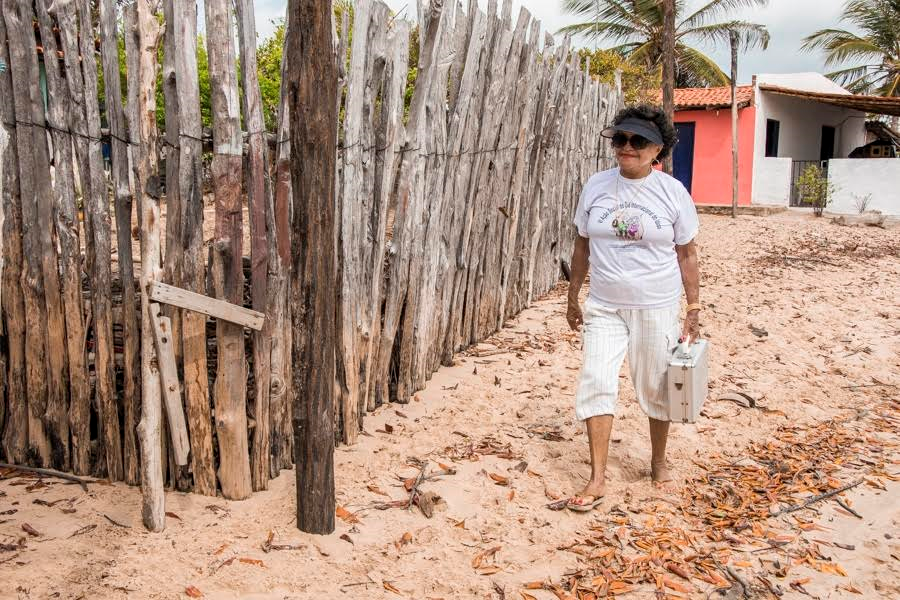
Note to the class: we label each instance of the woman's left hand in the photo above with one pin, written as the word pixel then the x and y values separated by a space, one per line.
pixel 691 329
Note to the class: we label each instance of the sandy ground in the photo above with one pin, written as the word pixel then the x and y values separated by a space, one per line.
pixel 831 322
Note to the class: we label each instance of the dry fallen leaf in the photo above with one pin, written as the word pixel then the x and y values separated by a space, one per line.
pixel 345 515
pixel 499 479
pixel 173 515
pixel 193 592
pixel 512 494
pixel 484 555
pixel 404 540
pixel 220 550
pixel 30 530
pixel 534 585
pixel 391 588
pixel 527 596
pixel 376 490
pixel 252 561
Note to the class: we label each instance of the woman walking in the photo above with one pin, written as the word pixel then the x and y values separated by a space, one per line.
pixel 636 229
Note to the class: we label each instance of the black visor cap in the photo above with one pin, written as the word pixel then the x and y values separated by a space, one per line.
pixel 642 127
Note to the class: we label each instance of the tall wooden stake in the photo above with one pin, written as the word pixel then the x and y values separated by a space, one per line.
pixel 262 244
pixel 668 67
pixel 15 435
pixel 227 264
pixel 131 369
pixel 193 268
pixel 734 126
pixel 142 26
pixel 312 95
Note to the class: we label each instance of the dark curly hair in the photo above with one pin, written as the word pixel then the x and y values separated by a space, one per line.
pixel 649 112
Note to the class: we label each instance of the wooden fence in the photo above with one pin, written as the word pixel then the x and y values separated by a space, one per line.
pixel 453 213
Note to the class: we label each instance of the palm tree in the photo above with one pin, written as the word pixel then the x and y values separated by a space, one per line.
pixel 877 47
pixel 638 27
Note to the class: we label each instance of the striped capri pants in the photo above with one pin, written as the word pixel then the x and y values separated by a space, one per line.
pixel 648 335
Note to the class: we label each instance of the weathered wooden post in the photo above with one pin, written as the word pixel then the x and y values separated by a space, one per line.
pixel 734 125
pixel 668 67
pixel 262 243
pixel 227 257
pixel 312 96
pixel 141 25
pixel 24 70
pixel 193 268
pixel 131 370
pixel 15 434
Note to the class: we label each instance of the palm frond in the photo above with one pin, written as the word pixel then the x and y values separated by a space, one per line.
pixel 750 35
pixel 717 8
pixel 695 69
pixel 594 30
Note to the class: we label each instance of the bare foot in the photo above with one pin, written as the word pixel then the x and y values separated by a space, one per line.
pixel 591 493
pixel 662 476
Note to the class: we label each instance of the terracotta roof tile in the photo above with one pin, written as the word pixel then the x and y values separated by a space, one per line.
pixel 714 97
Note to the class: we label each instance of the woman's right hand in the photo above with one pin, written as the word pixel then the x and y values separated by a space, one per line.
pixel 574 316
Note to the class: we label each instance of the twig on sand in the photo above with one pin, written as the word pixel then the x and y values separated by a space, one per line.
pixel 745 587
pixel 49 472
pixel 810 259
pixel 116 523
pixel 415 486
pixel 815 499
pixel 846 507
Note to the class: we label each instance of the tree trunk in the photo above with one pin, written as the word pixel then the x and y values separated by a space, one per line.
pixel 313 105
pixel 115 116
pixel 142 25
pixel 193 269
pixel 734 125
pixel 668 68
pixel 227 275
pixel 262 245
pixel 15 435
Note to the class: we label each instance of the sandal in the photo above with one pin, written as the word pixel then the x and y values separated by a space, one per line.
pixel 586 506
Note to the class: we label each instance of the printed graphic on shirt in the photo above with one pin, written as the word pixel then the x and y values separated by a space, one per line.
pixel 628 225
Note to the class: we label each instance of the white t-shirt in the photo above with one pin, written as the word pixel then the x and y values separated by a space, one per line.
pixel 633 237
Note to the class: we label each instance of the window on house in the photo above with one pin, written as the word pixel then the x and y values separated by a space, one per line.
pixel 772 127
pixel 827 150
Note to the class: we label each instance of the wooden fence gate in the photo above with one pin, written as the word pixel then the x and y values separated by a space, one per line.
pixel 146 325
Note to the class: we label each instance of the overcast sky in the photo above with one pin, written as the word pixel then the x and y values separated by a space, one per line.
pixel 788 22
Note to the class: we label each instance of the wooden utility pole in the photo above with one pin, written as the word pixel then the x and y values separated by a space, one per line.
pixel 668 68
pixel 734 126
pixel 312 95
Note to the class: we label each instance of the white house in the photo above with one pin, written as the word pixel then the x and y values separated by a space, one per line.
pixel 805 118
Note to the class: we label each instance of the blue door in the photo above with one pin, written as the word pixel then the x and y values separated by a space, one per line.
pixel 683 154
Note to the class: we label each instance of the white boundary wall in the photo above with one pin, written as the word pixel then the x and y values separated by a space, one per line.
pixel 856 178
pixel 772 181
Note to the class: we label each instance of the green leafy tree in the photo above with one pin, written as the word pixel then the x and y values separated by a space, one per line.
pixel 876 50
pixel 268 56
pixel 638 84
pixel 637 27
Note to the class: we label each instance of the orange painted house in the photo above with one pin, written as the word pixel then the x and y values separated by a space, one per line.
pixel 702 158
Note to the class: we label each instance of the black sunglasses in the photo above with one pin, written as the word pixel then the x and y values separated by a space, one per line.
pixel 638 142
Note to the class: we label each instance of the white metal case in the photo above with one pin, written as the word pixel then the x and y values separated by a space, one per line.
pixel 687 381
